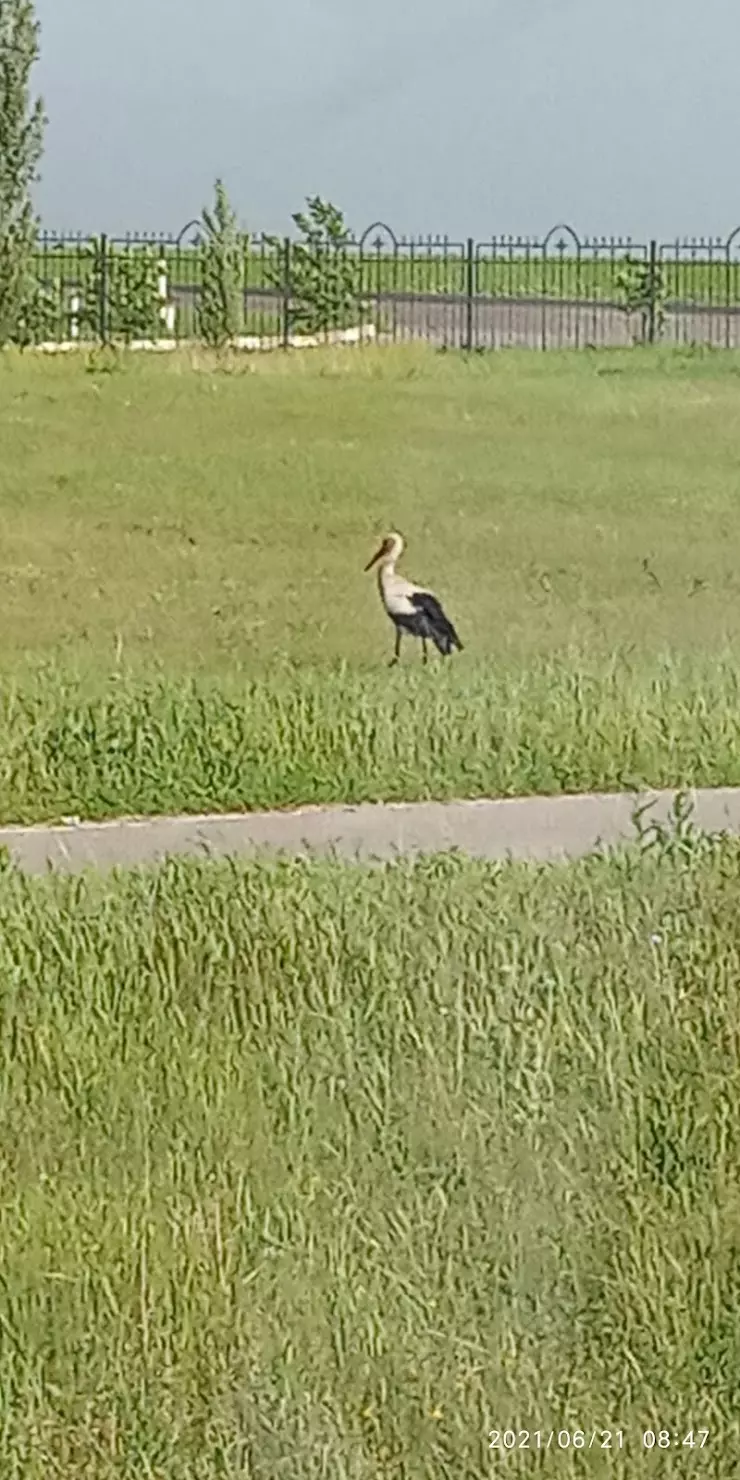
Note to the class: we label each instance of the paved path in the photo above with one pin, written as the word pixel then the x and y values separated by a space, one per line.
pixel 528 827
pixel 449 319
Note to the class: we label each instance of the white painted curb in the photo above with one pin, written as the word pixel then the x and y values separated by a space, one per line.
pixel 360 333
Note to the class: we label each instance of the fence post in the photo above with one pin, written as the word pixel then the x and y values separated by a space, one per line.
pixel 469 292
pixel 652 291
pixel 166 307
pixel 103 290
pixel 286 293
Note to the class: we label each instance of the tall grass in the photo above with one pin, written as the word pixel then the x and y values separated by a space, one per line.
pixel 154 745
pixel 318 1171
pixel 200 528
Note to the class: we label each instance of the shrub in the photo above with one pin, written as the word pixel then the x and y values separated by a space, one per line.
pixel 642 286
pixel 121 298
pixel 320 272
pixel 221 301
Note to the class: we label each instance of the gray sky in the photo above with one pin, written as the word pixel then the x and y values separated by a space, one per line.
pixel 469 117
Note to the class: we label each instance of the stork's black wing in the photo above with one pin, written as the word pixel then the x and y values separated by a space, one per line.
pixel 438 625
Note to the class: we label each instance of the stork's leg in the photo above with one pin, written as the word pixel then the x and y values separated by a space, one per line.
pixel 424 653
pixel 397 652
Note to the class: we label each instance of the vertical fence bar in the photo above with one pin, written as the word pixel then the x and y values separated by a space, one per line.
pixel 103 290
pixel 729 296
pixel 412 289
pixel 396 277
pixel 286 293
pixel 469 292
pixel 652 290
pixel 545 293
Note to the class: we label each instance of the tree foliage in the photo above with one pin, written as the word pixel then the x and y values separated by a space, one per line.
pixel 642 287
pixel 22 123
pixel 121 299
pixel 321 273
pixel 221 300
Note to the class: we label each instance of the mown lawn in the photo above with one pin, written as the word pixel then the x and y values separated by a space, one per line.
pixel 310 1170
pixel 186 620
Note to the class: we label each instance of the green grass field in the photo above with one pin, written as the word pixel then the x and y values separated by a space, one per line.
pixel 318 1171
pixel 186 622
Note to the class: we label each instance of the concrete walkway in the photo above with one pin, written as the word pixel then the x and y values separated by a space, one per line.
pixel 527 827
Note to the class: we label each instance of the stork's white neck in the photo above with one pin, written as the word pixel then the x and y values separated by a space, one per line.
pixel 386 571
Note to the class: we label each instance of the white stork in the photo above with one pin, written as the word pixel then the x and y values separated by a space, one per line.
pixel 410 607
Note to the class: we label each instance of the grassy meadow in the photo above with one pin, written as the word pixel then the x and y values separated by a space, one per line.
pixel 312 1170
pixel 186 622
pixel 318 1171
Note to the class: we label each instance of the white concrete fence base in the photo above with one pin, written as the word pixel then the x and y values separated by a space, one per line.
pixel 359 334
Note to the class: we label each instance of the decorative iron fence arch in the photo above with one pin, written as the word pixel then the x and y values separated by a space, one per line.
pixel 562 227
pixel 378 243
pixel 196 222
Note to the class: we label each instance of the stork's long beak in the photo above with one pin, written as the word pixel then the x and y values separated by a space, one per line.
pixel 376 557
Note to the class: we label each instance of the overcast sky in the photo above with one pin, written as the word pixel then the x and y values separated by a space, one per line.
pixel 470 117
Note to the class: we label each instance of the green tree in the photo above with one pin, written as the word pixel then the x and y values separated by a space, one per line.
pixel 321 272
pixel 121 299
pixel 221 299
pixel 641 284
pixel 41 314
pixel 22 123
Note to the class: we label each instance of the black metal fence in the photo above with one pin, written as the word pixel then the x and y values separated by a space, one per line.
pixel 554 292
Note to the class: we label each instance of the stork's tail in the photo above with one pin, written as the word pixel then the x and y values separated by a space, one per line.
pixel 446 640
pixel 435 623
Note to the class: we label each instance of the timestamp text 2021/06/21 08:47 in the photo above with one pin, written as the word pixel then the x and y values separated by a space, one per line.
pixel 593 1438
